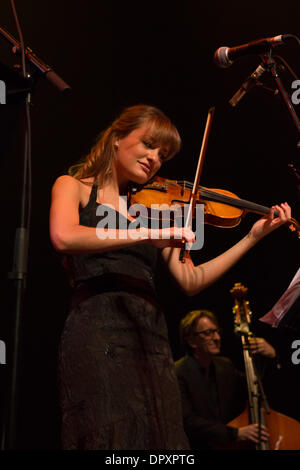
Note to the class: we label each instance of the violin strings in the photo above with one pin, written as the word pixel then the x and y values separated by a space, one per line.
pixel 222 198
pixel 236 202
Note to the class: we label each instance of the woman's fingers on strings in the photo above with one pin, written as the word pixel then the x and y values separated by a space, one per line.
pixel 287 210
pixel 280 213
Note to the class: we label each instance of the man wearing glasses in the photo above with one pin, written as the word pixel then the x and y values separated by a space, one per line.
pixel 213 391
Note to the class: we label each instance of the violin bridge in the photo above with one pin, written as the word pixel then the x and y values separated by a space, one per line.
pixel 183 189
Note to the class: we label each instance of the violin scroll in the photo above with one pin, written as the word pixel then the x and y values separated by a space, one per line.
pixel 294 226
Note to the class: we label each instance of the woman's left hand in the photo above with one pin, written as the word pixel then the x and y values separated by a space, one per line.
pixel 269 223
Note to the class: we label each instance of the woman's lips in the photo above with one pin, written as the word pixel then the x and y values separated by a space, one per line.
pixel 145 167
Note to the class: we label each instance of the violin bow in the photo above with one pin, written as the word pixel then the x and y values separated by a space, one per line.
pixel 296 173
pixel 193 198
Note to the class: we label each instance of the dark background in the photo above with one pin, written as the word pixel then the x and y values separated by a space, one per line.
pixel 115 54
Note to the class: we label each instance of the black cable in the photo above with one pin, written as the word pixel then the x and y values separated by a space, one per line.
pixel 286 64
pixel 293 36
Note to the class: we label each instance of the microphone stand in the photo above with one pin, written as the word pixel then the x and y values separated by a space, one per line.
pixel 38 64
pixel 270 64
pixel 18 275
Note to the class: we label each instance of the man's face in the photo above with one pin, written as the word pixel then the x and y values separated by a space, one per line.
pixel 206 338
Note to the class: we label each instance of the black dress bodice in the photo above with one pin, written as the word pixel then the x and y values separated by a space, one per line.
pixel 137 261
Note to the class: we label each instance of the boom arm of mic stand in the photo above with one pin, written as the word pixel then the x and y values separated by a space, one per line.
pixel 271 65
pixel 47 71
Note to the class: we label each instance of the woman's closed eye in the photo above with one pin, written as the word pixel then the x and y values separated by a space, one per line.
pixel 163 154
pixel 148 144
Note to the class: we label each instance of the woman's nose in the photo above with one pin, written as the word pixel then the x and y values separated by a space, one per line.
pixel 153 154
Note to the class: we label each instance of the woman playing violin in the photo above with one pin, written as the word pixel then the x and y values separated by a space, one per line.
pixel 117 379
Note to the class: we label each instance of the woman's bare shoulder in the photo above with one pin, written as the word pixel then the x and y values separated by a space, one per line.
pixel 66 180
pixel 70 181
pixel 67 186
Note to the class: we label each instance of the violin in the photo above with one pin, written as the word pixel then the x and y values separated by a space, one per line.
pixel 222 208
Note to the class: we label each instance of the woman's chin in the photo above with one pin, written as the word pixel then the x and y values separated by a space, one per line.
pixel 143 179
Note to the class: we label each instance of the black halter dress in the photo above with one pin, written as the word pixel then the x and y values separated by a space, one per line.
pixel 118 385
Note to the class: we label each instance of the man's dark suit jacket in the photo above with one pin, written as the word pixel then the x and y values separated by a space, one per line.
pixel 205 417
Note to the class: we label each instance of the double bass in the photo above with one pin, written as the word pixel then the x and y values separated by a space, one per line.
pixel 284 432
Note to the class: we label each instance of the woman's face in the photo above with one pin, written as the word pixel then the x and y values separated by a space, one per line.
pixel 137 157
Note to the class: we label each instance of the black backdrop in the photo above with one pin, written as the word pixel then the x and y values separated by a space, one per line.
pixel 116 54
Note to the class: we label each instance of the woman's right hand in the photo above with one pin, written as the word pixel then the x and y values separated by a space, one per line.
pixel 171 237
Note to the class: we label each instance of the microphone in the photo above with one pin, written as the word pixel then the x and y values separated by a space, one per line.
pixel 247 85
pixel 225 56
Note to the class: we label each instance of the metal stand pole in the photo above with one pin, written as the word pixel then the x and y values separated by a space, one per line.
pixel 18 274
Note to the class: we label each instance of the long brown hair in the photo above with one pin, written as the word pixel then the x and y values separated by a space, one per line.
pixel 98 163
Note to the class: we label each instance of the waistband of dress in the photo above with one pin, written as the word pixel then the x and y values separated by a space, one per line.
pixel 114 282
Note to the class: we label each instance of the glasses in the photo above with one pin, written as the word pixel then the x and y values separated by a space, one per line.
pixel 208 333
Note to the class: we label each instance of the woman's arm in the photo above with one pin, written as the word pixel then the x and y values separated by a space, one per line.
pixel 193 279
pixel 66 233
pixel 68 236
